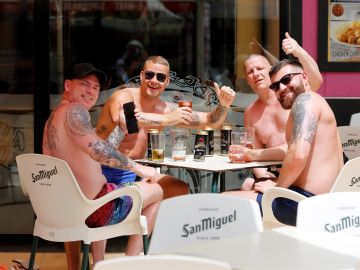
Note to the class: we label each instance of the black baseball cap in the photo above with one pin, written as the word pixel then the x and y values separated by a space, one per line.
pixel 81 70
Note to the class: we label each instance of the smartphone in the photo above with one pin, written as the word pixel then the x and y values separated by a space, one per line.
pixel 131 122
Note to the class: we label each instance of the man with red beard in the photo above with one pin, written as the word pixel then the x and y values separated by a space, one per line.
pixel 314 156
pixel 152 112
pixel 266 115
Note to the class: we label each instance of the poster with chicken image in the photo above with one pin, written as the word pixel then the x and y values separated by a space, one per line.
pixel 344 31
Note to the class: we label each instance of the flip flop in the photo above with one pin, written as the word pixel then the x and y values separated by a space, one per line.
pixel 23 265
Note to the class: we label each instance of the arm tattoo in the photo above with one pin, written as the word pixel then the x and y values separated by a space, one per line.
pixel 77 119
pixel 195 119
pixel 148 120
pixel 305 123
pixel 216 114
pixel 116 137
pixel 106 154
pixel 51 134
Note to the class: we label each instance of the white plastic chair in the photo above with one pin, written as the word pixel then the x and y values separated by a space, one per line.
pixel 337 212
pixel 61 208
pixel 355 120
pixel 161 262
pixel 346 181
pixel 190 218
pixel 350 140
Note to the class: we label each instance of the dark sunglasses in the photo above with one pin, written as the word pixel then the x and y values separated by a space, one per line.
pixel 161 77
pixel 285 80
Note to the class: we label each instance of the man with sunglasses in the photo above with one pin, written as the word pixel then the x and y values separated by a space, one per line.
pixel 152 112
pixel 314 155
pixel 266 115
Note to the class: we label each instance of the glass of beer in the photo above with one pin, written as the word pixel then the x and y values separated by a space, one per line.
pixel 185 103
pixel 179 140
pixel 236 150
pixel 250 133
pixel 157 147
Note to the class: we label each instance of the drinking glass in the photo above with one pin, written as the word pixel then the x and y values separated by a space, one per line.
pixel 157 147
pixel 238 143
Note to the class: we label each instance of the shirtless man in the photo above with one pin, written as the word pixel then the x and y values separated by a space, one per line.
pixel 83 150
pixel 314 156
pixel 152 112
pixel 266 114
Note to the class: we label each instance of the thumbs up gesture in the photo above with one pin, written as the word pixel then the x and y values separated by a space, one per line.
pixel 225 95
pixel 290 46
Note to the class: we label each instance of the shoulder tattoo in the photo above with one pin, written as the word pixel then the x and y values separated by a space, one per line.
pixel 305 122
pixel 77 119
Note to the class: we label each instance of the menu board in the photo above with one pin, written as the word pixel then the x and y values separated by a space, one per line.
pixel 344 31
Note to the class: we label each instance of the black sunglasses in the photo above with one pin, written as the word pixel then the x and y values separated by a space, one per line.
pixel 161 77
pixel 285 80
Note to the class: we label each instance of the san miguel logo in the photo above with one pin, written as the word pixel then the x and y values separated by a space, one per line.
pixel 343 224
pixel 354 181
pixel 208 224
pixel 44 174
pixel 351 142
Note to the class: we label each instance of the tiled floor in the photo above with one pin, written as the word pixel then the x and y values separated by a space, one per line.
pixel 50 255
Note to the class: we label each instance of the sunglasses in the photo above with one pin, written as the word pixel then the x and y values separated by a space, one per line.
pixel 285 80
pixel 161 77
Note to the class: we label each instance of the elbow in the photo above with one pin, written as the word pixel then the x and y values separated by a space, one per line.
pixel 299 158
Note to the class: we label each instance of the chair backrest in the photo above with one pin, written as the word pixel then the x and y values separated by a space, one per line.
pixel 161 262
pixel 355 120
pixel 47 180
pixel 350 140
pixel 203 216
pixel 349 177
pixel 337 212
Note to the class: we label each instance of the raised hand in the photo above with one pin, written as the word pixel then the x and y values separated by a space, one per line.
pixel 225 95
pixel 290 46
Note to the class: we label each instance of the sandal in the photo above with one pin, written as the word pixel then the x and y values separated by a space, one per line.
pixel 23 265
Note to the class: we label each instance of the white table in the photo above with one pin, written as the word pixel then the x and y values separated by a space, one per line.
pixel 281 248
pixel 217 164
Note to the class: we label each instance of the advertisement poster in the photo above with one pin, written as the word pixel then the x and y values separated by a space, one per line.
pixel 344 31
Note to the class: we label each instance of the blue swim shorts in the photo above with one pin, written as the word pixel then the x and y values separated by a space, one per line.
pixel 118 176
pixel 285 210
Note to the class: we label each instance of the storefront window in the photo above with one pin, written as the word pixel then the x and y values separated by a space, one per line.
pixel 16 111
pixel 201 39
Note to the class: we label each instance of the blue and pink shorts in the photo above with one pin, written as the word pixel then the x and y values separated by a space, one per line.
pixel 111 213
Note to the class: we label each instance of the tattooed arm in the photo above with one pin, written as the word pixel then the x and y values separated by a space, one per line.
pixel 304 125
pixel 172 116
pixel 77 122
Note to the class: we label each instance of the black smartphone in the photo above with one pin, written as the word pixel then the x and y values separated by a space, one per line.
pixel 131 122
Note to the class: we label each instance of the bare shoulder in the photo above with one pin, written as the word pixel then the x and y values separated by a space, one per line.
pixel 253 108
pixel 121 94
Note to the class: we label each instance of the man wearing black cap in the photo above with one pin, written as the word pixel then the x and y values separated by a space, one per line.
pixel 83 150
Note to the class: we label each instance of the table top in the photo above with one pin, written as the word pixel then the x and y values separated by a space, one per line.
pixel 215 163
pixel 281 248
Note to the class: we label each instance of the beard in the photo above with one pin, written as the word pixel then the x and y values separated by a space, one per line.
pixel 287 102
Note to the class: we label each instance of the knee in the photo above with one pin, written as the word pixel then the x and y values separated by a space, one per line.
pixel 247 184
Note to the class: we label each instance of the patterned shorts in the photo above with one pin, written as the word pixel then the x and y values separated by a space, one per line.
pixel 111 213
